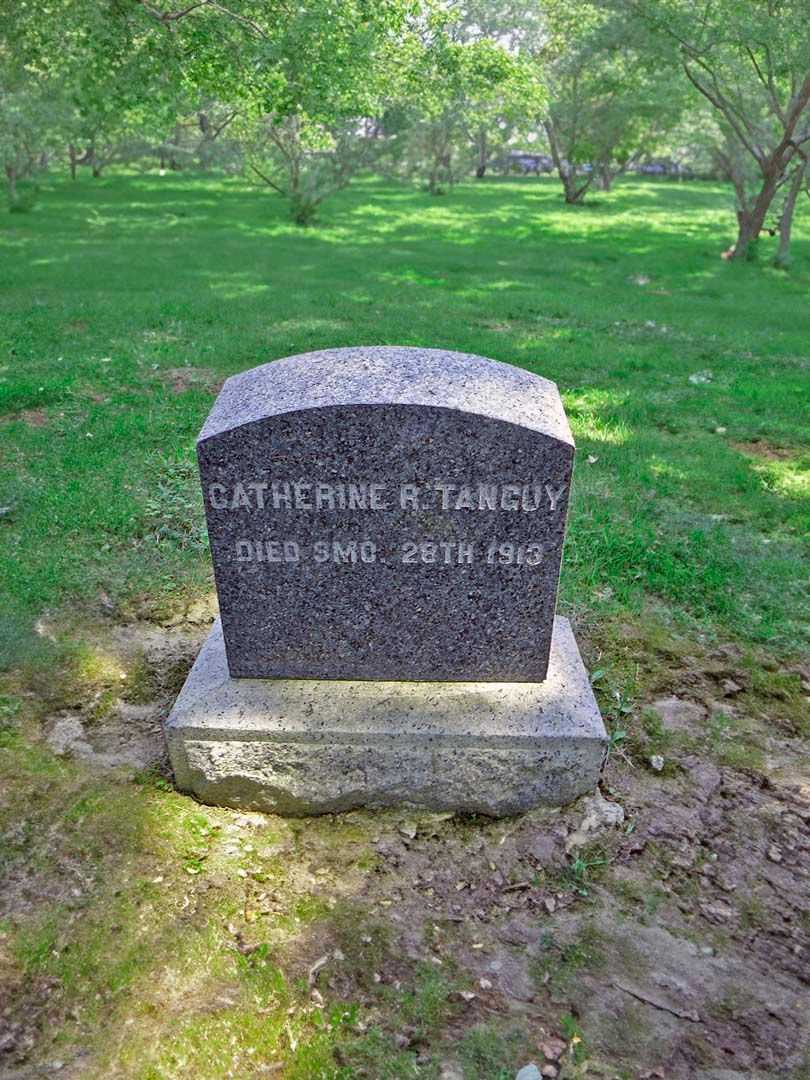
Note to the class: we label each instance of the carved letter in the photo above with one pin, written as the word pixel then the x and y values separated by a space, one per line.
pixel 291 551
pixel 554 496
pixel 368 551
pixel 445 489
pixel 487 496
pixel 324 497
pixel 280 491
pixel 302 495
pixel 510 497
pixel 530 499
pixel 465 552
pixel 258 489
pixel 240 498
pixel 357 497
pixel 378 500
pixel 344 553
pixel 218 496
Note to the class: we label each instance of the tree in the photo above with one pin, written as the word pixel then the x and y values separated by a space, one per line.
pixel 495 115
pixel 93 70
pixel 301 82
pixel 31 115
pixel 607 104
pixel 462 90
pixel 309 70
pixel 750 59
pixel 305 162
pixel 211 119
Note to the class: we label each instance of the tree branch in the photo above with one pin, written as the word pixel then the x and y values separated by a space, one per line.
pixel 767 82
pixel 237 17
pixel 721 105
pixel 267 180
pixel 224 124
pixel 166 18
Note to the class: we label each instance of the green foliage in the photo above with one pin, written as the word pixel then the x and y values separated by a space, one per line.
pixel 489 1054
pixel 305 161
pixel 24 197
pixel 608 102
pixel 560 963
pixel 9 709
pixel 751 62
pixel 427 1007
pixel 460 88
pixel 173 506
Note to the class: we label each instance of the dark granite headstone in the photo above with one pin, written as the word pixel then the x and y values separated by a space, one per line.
pixel 387 513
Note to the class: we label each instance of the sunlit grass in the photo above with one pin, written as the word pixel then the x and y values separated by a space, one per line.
pixel 108 285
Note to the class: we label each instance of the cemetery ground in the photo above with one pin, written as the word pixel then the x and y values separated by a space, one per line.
pixel 658 931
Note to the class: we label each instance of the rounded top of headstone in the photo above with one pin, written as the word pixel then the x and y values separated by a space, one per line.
pixel 390 375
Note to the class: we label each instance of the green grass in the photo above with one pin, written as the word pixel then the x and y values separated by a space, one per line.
pixel 110 286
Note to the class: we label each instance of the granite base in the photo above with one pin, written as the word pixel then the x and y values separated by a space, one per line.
pixel 303 746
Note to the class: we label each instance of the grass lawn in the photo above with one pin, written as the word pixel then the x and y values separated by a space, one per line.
pixel 124 302
pixel 692 391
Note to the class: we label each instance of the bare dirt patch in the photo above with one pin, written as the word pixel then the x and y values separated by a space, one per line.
pixel 35 418
pixel 123 727
pixel 761 448
pixel 670 939
pixel 130 735
pixel 181 379
pixel 687 951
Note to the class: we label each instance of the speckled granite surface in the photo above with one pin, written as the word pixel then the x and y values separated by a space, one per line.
pixel 387 513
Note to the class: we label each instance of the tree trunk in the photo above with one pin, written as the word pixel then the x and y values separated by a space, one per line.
pixel 573 195
pixel 72 158
pixel 11 178
pixel 782 259
pixel 433 179
pixel 483 155
pixel 174 164
pixel 750 221
pixel 772 166
pixel 95 165
pixel 747 233
pixel 750 224
pixel 604 179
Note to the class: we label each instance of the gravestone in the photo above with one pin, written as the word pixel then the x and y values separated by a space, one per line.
pixel 387 514
pixel 386 527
